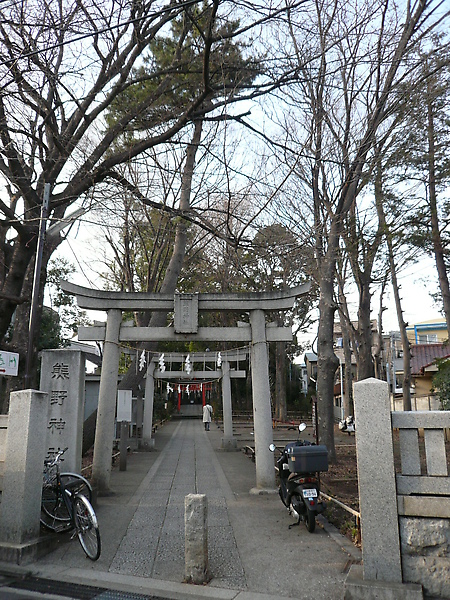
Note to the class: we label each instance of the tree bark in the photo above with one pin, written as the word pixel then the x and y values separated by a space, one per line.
pixel 280 381
pixel 134 376
pixel 438 247
pixel 365 362
pixel 13 286
pixel 327 361
pixel 395 287
pixel 347 400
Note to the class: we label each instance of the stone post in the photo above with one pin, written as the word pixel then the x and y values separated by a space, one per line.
pixel 196 538
pixel 228 440
pixel 22 482
pixel 147 428
pixel 104 434
pixel 63 377
pixel 123 445
pixel 262 416
pixel 376 482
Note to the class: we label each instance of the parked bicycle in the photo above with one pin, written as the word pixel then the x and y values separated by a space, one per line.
pixel 66 505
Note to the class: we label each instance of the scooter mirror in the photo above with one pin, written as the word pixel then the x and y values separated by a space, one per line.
pixel 272 447
pixel 302 427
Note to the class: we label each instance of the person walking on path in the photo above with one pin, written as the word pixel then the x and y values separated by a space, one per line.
pixel 207 414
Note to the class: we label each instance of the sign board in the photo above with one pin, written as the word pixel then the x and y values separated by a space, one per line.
pixel 186 313
pixel 9 363
pixel 124 405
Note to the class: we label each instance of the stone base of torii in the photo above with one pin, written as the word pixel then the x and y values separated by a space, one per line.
pixel 257 333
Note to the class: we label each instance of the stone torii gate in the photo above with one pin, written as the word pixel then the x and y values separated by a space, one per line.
pixel 224 372
pixel 185 328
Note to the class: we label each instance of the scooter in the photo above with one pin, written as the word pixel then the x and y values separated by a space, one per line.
pixel 347 424
pixel 298 467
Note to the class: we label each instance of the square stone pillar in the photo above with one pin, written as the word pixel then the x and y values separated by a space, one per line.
pixel 376 482
pixel 22 482
pixel 196 539
pixel 63 377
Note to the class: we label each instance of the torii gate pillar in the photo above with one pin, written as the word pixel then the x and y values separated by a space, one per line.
pixel 262 416
pixel 147 425
pixel 104 434
pixel 228 441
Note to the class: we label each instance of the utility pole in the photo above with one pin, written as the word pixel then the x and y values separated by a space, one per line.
pixel 36 282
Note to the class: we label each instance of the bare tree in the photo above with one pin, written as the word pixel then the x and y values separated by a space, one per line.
pixel 351 62
pixel 395 285
pixel 62 68
pixel 423 153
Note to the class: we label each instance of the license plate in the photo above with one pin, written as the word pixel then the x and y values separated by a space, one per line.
pixel 310 493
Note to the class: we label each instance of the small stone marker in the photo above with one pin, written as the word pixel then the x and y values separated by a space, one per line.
pixel 196 538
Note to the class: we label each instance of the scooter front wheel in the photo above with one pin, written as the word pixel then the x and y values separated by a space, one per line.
pixel 310 520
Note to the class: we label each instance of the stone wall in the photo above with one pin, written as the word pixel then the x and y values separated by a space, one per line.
pixel 425 549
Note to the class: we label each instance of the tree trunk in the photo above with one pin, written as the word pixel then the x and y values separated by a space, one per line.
pixel 365 362
pixel 134 376
pixel 347 371
pixel 403 334
pixel 12 289
pixel 327 361
pixel 395 286
pixel 438 247
pixel 380 372
pixel 280 381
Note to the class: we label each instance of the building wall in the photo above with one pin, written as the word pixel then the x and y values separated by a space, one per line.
pixel 428 332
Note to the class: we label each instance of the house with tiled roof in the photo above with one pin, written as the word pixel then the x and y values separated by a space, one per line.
pixel 428 342
pixel 424 367
pixel 433 331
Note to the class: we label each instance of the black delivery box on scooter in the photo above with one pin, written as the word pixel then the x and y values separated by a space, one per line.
pixel 307 459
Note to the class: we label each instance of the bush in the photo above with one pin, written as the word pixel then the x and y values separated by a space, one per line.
pixel 441 383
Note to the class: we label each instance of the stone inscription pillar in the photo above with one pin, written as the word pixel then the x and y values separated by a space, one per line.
pixel 262 416
pixel 228 441
pixel 376 481
pixel 104 434
pixel 62 378
pixel 147 427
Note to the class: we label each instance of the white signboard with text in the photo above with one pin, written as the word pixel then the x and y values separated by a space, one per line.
pixel 9 363
pixel 124 398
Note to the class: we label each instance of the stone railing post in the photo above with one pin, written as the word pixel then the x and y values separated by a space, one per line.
pixel 22 482
pixel 107 398
pixel 376 481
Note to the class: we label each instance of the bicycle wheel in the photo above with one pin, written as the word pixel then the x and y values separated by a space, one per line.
pixel 86 527
pixel 77 484
pixel 54 513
